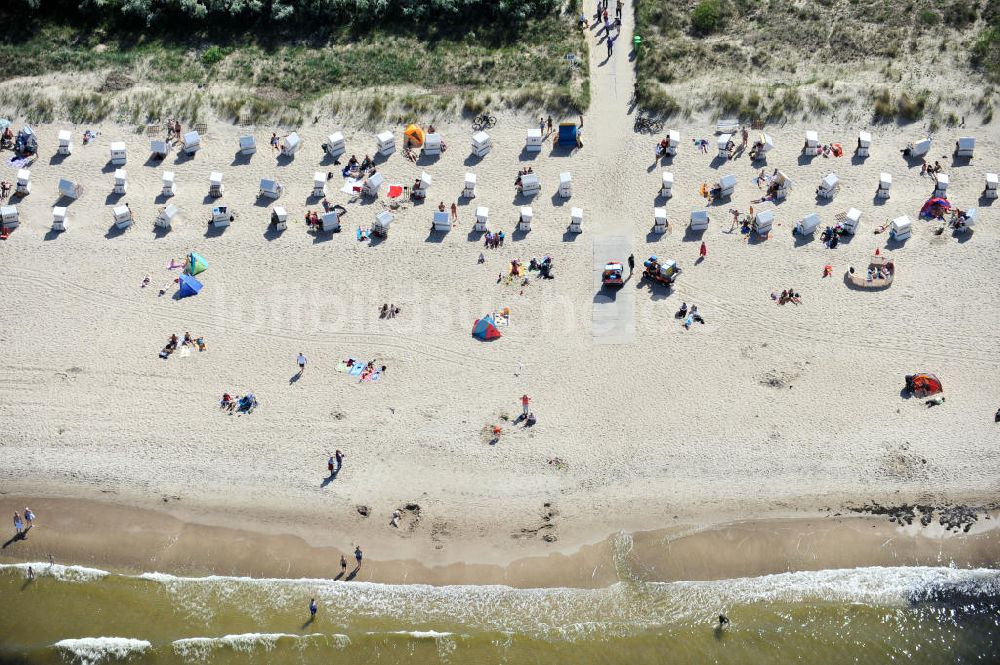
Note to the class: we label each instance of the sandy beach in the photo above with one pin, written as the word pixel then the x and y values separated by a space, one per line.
pixel 762 413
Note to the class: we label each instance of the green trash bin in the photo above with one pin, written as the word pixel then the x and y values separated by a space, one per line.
pixel 636 41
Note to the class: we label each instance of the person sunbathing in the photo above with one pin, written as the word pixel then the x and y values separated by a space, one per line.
pixel 367 163
pixel 441 207
pixel 227 402
pixel 682 312
pixel 188 340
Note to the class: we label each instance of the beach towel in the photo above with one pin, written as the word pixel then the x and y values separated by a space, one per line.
pixel 356 369
pixel 351 186
pixel 395 191
pixel 375 376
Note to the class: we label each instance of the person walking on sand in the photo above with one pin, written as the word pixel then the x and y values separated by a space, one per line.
pixel 454 212
pixel 29 518
pixel 18 525
pixel 548 124
pixel 302 362
pixel 618 9
pixel 631 264
pixel 703 250
pixel 330 466
pixel 274 141
pixel 746 136
pixel 312 609
pixel 343 565
pixel 357 556
pixel 611 45
pixel 525 400
pixel 339 458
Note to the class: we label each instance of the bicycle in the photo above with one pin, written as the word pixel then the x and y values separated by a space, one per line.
pixel 648 125
pixel 484 121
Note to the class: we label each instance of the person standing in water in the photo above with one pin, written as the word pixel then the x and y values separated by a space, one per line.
pixel 312 609
pixel 357 556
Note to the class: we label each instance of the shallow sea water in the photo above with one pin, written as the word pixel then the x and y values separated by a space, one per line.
pixel 72 614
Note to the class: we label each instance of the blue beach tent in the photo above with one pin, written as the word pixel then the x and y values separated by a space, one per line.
pixel 188 286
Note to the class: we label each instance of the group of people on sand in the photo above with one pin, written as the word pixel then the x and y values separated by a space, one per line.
pixel 174 131
pixel 174 343
pixel 245 404
pixel 878 272
pixel 927 169
pixel 786 296
pixel 493 239
pixel 663 146
pixel 743 221
pixel 388 311
pixel 454 210
pixel 369 370
pixel 688 315
pixel 5 189
pixel 356 169
pixel 21 527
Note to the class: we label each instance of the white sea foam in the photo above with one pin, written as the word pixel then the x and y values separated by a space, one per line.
pixel 198 648
pixel 873 585
pixel 96 650
pixel 58 571
pixel 422 634
pixel 563 613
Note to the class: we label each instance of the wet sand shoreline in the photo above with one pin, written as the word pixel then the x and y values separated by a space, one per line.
pixel 136 540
